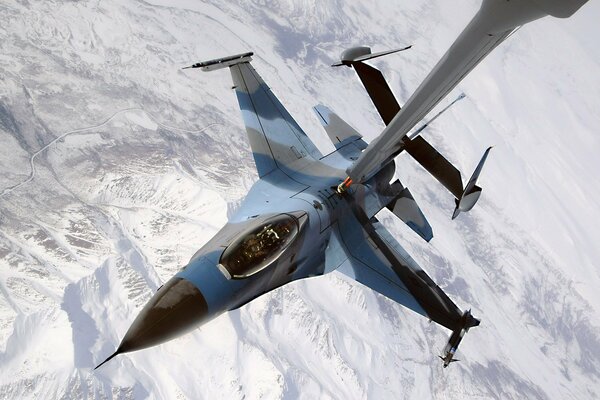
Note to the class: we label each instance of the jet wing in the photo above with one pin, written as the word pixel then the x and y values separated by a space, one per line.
pixel 277 141
pixel 375 259
pixel 494 22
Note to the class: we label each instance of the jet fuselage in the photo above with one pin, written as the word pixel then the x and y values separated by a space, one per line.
pixel 279 234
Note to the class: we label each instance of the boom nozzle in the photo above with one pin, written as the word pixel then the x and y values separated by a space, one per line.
pixel 342 187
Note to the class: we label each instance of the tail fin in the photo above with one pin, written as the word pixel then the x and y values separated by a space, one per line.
pixel 446 173
pixel 471 192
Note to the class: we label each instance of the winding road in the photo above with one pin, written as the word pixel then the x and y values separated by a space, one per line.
pixel 106 121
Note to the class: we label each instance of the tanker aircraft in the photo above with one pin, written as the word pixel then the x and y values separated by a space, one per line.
pixel 312 213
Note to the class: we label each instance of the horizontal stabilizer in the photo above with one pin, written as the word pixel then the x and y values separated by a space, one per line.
pixel 378 193
pixel 338 130
pixel 472 192
pixel 406 208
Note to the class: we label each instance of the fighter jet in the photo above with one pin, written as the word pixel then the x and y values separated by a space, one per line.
pixel 311 213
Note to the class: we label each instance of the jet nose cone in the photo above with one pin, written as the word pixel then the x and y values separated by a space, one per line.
pixel 178 307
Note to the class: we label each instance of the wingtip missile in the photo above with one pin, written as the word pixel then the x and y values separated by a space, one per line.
pixel 466 322
pixel 447 361
pixel 222 62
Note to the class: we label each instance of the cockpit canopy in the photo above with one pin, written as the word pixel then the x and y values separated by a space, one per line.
pixel 257 248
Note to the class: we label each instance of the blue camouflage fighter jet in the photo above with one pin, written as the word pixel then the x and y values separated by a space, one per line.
pixel 310 214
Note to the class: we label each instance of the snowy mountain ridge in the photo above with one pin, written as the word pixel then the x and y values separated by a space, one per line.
pixel 139 163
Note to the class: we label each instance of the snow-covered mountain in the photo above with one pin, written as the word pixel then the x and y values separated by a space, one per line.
pixel 116 166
